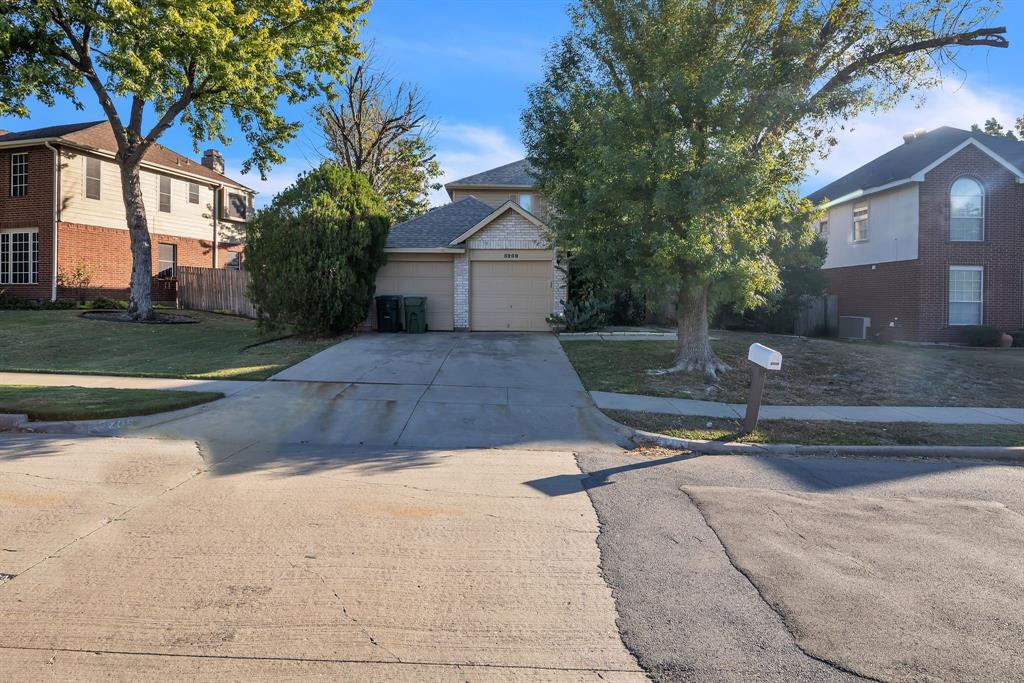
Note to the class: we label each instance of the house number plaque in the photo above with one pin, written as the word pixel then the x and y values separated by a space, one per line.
pixel 512 255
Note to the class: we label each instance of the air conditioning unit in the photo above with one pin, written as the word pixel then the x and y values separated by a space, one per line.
pixel 853 327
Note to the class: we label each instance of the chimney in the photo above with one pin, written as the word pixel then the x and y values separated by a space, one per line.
pixel 213 161
pixel 907 139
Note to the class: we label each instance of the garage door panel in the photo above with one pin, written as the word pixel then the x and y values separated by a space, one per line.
pixel 510 295
pixel 432 279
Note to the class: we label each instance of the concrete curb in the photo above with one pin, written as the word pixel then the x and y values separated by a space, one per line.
pixel 11 421
pixel 1013 454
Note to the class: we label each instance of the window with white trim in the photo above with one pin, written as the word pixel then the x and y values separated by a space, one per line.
pixel 165 194
pixel 965 294
pixel 19 257
pixel 966 211
pixel 19 174
pixel 193 193
pixel 525 200
pixel 167 260
pixel 860 222
pixel 92 178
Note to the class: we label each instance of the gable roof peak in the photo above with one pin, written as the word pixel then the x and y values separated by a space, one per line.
pixel 514 174
pixel 905 162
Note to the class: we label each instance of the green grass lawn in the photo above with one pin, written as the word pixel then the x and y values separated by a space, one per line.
pixel 814 372
pixel 217 347
pixel 79 403
pixel 815 432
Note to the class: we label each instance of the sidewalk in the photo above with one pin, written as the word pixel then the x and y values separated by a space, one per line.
pixel 43 379
pixel 637 335
pixel 679 406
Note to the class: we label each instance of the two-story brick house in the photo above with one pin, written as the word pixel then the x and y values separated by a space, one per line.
pixel 929 237
pixel 61 206
pixel 485 261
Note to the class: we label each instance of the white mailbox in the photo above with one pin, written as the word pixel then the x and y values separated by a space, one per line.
pixel 760 354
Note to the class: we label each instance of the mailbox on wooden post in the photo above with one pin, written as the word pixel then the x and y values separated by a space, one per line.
pixel 763 359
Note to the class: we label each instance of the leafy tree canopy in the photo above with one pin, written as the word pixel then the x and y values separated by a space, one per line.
pixel 993 127
pixel 670 133
pixel 314 252
pixel 197 61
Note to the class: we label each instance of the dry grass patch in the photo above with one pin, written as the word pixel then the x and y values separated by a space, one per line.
pixel 825 432
pixel 814 372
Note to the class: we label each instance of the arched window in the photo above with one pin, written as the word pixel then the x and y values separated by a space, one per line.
pixel 966 211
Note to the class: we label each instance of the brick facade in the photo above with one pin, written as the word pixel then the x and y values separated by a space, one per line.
pixel 508 231
pixel 915 294
pixel 107 251
pixel 460 276
pixel 34 210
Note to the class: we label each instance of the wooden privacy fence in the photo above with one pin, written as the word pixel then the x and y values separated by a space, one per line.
pixel 818 317
pixel 214 289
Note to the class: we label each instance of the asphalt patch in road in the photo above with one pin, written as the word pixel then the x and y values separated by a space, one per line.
pixel 895 589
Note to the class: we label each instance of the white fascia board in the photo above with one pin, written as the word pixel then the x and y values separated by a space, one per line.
pixel 857 194
pixel 919 176
pixel 509 205
pixel 173 170
pixel 475 186
pixel 422 250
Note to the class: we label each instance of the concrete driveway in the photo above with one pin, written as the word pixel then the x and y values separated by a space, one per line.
pixel 373 514
pixel 435 390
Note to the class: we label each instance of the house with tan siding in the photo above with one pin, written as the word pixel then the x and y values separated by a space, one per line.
pixel 61 206
pixel 486 261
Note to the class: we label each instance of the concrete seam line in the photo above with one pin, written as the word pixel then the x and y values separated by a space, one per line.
pixel 194 474
pixel 773 608
pixel 424 392
pixel 318 660
pixel 587 476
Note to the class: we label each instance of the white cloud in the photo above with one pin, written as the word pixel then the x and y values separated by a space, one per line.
pixel 277 179
pixel 870 135
pixel 464 149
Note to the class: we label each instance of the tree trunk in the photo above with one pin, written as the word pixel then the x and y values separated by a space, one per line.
pixel 693 350
pixel 140 302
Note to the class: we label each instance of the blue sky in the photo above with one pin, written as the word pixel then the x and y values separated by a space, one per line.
pixel 475 59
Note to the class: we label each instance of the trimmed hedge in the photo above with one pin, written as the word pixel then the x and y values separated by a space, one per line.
pixel 983 335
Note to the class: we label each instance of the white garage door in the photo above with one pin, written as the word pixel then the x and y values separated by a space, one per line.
pixel 432 279
pixel 510 295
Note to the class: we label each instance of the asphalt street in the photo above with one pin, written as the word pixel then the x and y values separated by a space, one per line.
pixel 689 612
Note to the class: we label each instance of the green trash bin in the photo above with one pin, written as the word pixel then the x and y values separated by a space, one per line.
pixel 415 314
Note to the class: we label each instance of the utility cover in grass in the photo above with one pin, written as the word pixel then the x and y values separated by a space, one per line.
pixel 897 589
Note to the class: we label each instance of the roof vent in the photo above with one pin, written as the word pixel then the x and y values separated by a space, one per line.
pixel 908 138
pixel 920 132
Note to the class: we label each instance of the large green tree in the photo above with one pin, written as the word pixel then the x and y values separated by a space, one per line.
pixel 669 133
pixel 194 61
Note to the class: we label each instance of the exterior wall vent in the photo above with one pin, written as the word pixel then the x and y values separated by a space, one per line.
pixel 853 327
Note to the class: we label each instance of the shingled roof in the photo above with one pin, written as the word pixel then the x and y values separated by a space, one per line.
pixel 99 135
pixel 517 174
pixel 438 227
pixel 911 157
